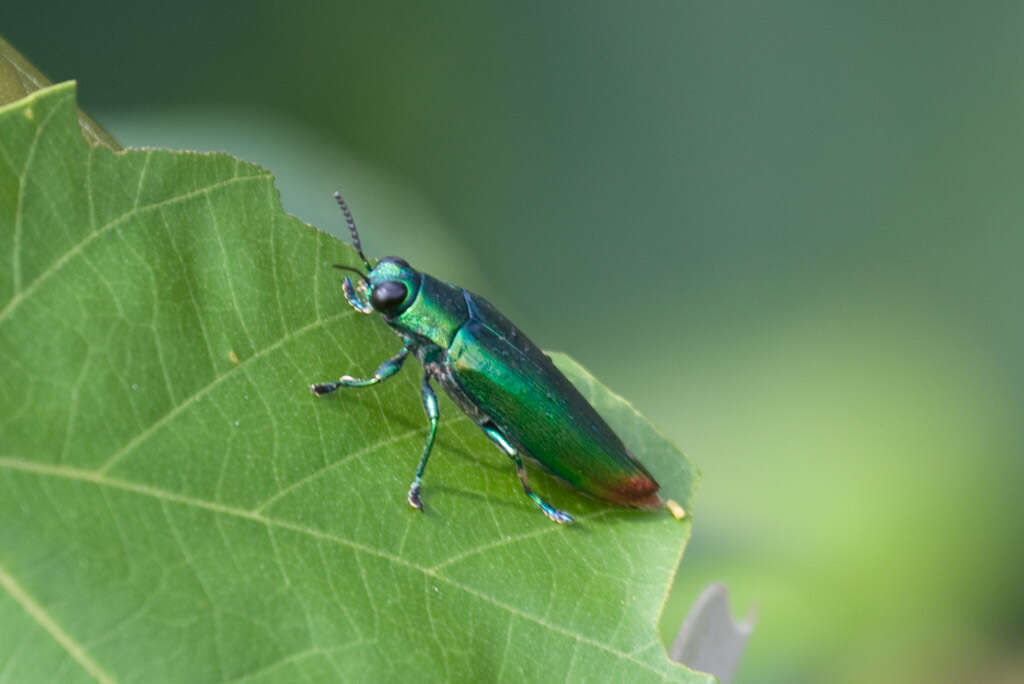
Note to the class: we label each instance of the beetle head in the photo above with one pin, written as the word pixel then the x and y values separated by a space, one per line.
pixel 388 288
pixel 393 284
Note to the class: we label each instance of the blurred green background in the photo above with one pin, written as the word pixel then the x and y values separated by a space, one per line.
pixel 790 233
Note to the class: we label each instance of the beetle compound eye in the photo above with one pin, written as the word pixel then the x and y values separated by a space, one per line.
pixel 399 261
pixel 388 296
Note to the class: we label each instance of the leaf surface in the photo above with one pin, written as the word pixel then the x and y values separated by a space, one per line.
pixel 176 506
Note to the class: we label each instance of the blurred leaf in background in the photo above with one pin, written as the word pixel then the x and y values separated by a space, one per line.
pixel 790 231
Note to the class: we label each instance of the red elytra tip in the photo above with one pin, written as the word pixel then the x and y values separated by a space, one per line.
pixel 636 491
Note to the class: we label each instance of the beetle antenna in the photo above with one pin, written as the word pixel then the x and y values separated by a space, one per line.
pixel 352 229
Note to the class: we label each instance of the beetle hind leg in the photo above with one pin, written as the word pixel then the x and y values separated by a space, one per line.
pixel 553 513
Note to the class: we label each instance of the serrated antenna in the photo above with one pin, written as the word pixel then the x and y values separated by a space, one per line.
pixel 352 229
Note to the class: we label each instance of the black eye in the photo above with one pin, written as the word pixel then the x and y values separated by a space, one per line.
pixel 388 296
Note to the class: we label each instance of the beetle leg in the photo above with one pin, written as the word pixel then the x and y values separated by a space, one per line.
pixel 386 370
pixel 353 299
pixel 495 434
pixel 430 406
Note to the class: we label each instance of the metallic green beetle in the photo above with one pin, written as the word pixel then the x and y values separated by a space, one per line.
pixel 500 379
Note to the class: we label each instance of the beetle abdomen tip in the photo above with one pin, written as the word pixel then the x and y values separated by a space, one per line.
pixel 637 491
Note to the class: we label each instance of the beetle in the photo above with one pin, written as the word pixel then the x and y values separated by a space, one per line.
pixel 498 377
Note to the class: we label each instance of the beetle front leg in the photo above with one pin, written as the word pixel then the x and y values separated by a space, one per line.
pixel 386 370
pixel 430 406
pixel 353 299
pixel 495 434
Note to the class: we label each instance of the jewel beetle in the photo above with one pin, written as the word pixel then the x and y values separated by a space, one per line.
pixel 498 377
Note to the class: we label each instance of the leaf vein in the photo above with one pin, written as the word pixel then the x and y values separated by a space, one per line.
pixel 227 271
pixel 188 401
pixel 172 497
pixel 349 457
pixel 38 613
pixel 510 539
pixel 16 255
pixel 191 292
pixel 59 263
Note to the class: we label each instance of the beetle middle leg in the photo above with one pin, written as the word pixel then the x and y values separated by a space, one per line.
pixel 386 370
pixel 495 434
pixel 430 406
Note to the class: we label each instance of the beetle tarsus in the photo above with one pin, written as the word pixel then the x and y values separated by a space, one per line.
pixel 323 388
pixel 560 517
pixel 414 496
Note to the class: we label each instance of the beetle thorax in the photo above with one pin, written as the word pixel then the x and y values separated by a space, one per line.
pixel 435 314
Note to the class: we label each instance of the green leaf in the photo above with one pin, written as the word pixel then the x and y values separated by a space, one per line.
pixel 19 77
pixel 176 506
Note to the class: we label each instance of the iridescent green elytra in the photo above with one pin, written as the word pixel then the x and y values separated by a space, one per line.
pixel 508 386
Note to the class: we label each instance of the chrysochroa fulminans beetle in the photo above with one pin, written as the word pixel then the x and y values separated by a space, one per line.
pixel 500 379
